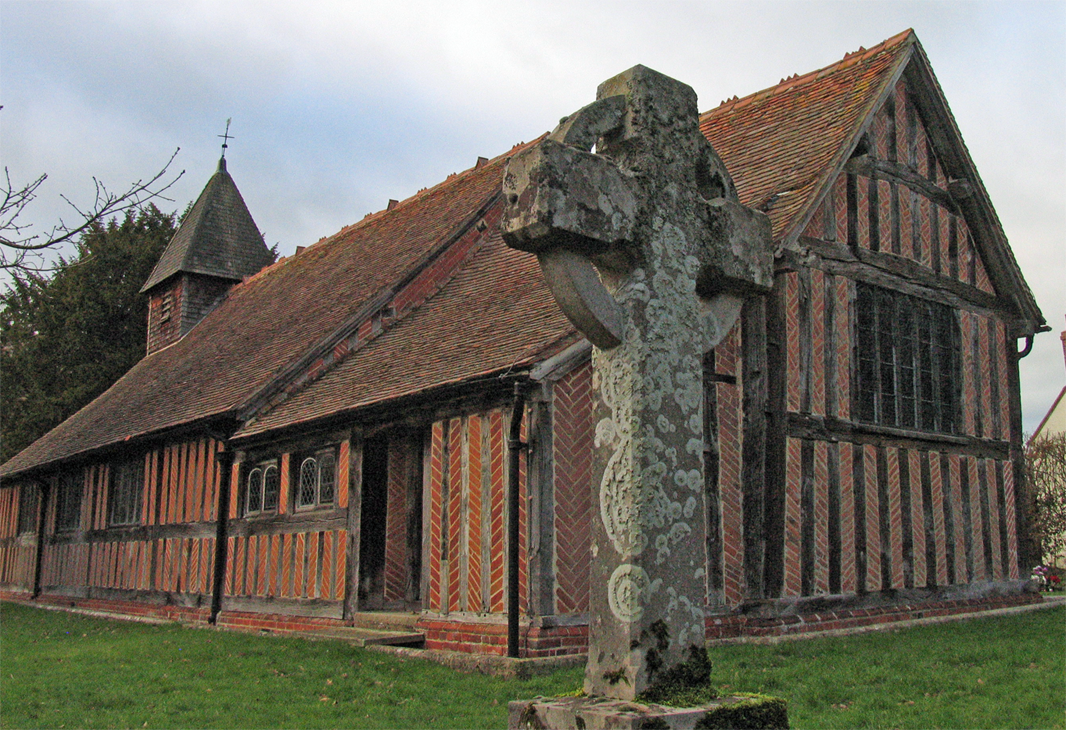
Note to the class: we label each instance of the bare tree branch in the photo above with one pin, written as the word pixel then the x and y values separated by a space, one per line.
pixel 22 251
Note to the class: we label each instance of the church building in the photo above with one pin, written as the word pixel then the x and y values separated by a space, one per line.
pixel 339 438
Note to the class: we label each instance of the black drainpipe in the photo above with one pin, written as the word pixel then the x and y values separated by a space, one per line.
pixel 43 492
pixel 1028 347
pixel 225 463
pixel 514 447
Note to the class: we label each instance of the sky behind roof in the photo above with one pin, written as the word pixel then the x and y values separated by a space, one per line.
pixel 339 106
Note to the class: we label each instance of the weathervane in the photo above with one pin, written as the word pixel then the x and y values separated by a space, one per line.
pixel 226 138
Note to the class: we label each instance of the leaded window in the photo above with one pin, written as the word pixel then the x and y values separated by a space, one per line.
pixel 68 501
pixel 124 500
pixel 29 494
pixel 262 487
pixel 316 480
pixel 908 362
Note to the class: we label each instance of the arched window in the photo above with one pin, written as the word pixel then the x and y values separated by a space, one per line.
pixel 271 487
pixel 262 488
pixel 306 495
pixel 316 480
pixel 327 477
pixel 254 501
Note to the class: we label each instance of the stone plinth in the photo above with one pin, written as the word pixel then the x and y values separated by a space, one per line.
pixel 601 713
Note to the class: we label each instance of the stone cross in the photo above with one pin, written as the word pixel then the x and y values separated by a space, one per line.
pixel 640 237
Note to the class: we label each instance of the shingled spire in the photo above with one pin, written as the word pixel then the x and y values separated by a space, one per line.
pixel 216 246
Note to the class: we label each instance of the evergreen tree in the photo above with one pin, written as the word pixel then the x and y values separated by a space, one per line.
pixel 66 338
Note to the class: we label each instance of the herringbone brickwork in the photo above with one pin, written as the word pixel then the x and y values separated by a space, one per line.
pixel 821 518
pixel 916 517
pixel 473 522
pixel 398 478
pixel 846 469
pixel 436 512
pixel 730 487
pixel 497 522
pixel 573 442
pixel 793 518
pixel 792 337
pixel 467 548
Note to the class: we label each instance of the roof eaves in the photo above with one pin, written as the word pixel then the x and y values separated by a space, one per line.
pixel 200 425
pixel 249 433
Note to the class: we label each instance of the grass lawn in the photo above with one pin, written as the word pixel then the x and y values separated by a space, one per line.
pixel 65 670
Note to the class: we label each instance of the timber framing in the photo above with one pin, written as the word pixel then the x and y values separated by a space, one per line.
pixel 377 371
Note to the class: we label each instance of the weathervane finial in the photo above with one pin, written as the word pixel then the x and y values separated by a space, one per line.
pixel 226 138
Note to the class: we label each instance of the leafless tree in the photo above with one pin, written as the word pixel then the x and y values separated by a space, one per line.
pixel 1045 467
pixel 22 251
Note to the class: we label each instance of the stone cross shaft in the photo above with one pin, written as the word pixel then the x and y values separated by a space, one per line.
pixel 640 237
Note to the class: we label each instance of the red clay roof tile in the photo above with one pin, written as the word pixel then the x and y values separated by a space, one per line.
pixel 781 144
pixel 266 322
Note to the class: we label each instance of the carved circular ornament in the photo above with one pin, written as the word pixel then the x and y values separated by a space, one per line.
pixel 625 590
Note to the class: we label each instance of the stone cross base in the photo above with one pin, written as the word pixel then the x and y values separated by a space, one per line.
pixel 602 713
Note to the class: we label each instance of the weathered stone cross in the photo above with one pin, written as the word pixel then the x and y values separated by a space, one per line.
pixel 649 254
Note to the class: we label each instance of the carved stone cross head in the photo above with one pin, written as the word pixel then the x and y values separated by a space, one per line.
pixel 596 189
pixel 640 237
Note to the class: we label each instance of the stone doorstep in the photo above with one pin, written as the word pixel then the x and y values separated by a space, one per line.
pixel 357 636
pixel 386 620
pixel 601 713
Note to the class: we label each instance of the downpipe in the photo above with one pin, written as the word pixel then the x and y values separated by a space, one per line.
pixel 514 450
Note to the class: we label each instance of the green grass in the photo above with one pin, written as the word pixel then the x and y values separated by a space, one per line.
pixel 65 670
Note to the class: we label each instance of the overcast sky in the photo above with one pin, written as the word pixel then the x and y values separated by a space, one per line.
pixel 339 106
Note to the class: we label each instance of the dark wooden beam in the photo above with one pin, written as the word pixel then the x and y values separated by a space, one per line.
pixel 354 522
pixel 755 376
pixel 44 492
pixel 893 272
pixel 776 430
pixel 901 174
pixel 801 425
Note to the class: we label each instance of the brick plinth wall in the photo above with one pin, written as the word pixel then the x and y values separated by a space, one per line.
pixel 184 614
pixel 736 625
pixel 473 637
pixel 484 637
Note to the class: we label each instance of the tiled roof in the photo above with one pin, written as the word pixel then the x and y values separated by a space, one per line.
pixel 780 141
pixel 495 316
pixel 781 144
pixel 267 322
pixel 217 238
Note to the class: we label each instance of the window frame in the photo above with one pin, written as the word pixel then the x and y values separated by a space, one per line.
pixel 70 493
pixel 908 370
pixel 267 493
pixel 125 492
pixel 309 498
pixel 29 506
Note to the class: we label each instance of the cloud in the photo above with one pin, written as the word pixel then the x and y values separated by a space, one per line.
pixel 339 106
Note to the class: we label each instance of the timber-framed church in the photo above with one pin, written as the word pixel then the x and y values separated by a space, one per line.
pixel 339 438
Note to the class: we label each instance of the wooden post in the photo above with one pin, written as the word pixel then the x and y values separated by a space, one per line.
pixel 44 490
pixel 224 461
pixel 355 512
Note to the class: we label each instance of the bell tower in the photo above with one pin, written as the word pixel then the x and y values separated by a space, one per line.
pixel 216 246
